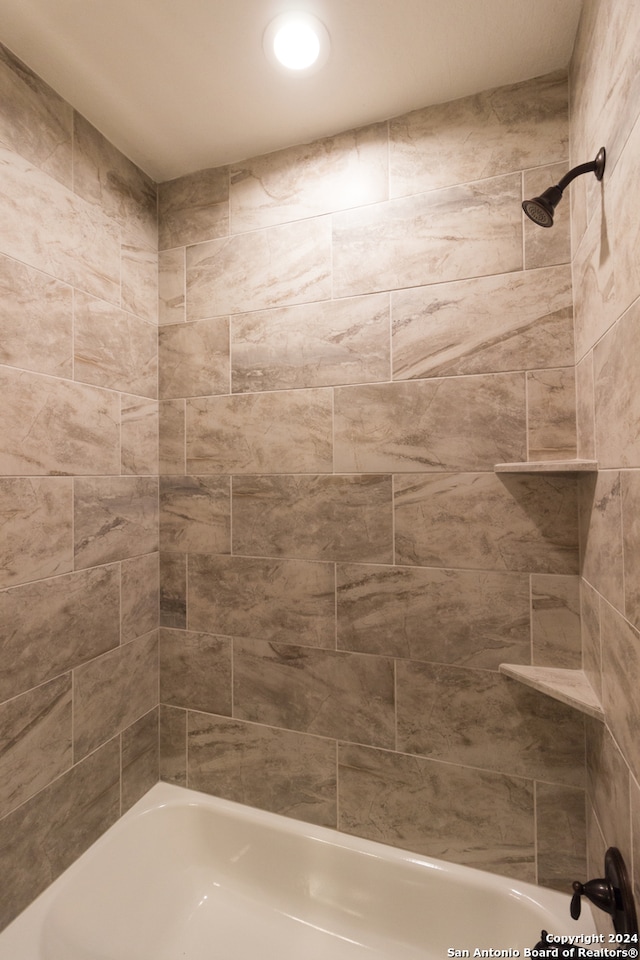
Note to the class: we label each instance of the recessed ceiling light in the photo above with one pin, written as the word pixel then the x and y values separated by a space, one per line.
pixel 297 42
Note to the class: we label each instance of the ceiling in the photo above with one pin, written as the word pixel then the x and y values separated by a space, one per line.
pixel 180 85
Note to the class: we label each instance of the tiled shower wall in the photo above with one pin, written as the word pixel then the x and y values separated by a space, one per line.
pixel 78 485
pixel 353 333
pixel 605 110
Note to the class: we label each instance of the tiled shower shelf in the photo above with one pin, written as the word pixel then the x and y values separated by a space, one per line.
pixel 549 466
pixel 569 686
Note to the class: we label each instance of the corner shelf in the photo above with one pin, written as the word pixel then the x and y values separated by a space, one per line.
pixel 548 466
pixel 569 686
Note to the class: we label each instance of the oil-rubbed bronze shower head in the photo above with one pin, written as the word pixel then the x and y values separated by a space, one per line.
pixel 541 209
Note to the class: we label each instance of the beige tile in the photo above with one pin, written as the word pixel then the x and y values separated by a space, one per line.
pixel 542 247
pixel 479 718
pixel 434 237
pixel 311 345
pixel 139 596
pixel 601 535
pixel 273 267
pixel 44 836
pixel 113 691
pixel 172 437
pixel 561 835
pixel 551 414
pixel 313 518
pixel 608 786
pixel 280 432
pixel 591 641
pixel 171 286
pixel 288 773
pixel 482 521
pixel 114 349
pixel 53 625
pixel 173 745
pixel 36 314
pixel 193 208
pixel 139 264
pixel 634 791
pixel 464 617
pixel 55 426
pixel 35 746
pixel 326 692
pixel 626 235
pixel 173 590
pixel 630 482
pixel 484 325
pixel 140 758
pixel 195 671
pixel 442 810
pixel 114 519
pixel 555 621
pixel 335 173
pixel 467 423
pixel 585 408
pixel 620 678
pixel 195 515
pixel 594 283
pixel 617 403
pixel 139 436
pixel 194 358
pixel 36 523
pixel 286 600
pixel 494 132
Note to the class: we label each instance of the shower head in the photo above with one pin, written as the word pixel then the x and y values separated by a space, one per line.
pixel 541 209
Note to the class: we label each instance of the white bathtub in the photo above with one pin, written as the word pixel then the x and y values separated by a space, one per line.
pixel 184 876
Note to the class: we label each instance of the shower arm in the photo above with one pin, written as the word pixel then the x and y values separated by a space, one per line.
pixel 591 167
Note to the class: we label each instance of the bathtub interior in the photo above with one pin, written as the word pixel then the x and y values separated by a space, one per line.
pixel 183 876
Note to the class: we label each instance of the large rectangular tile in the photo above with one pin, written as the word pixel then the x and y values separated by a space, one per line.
pixel 56 426
pixel 482 521
pixel 51 626
pixel 314 518
pixel 287 600
pixel 288 773
pixel 114 518
pixel 138 436
pixel 595 306
pixel 464 617
pixel 288 432
pixel 171 286
pixel 475 817
pixel 36 522
pixel 330 693
pixel 171 439
pixel 195 671
pixel 555 621
pixel 140 758
pixel 194 358
pixel 466 423
pixel 193 208
pixel 140 596
pixel 139 280
pixel 620 679
pixel 195 514
pixel 617 401
pixel 173 590
pixel 173 745
pixel 551 414
pixel 273 267
pixel 602 535
pixel 464 231
pixel 561 835
pixel 630 493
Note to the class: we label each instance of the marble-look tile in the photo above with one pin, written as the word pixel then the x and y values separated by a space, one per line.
pixel 490 133
pixel 114 518
pixel 195 671
pixel 314 518
pixel 517 523
pixel 617 403
pixel 479 718
pixel 620 679
pixel 348 170
pixel 484 325
pixel 195 515
pixel 193 208
pixel 608 786
pixel 551 414
pixel 586 408
pixel 35 744
pixel 51 626
pixel 594 283
pixel 543 248
pixel 194 358
pixel 278 770
pixel 138 436
pixel 630 486
pixel 473 817
pixel 173 590
pixel 286 600
pixel 173 745
pixel 114 349
pixel 471 229
pixel 591 640
pixel 274 267
pixel 601 535
pixel 171 286
pixel 634 791
pixel 561 835
pixel 139 280
pixel 311 345
pixel 326 692
pixel 36 314
pixel 466 423
pixel 45 835
pixel 172 437
pixel 36 527
pixel 140 758
pixel 464 617
pixel 113 691
pixel 626 234
pixel 555 621
pixel 280 432
pixel 140 596
pixel 50 228
pixel 56 426
pixel 35 121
